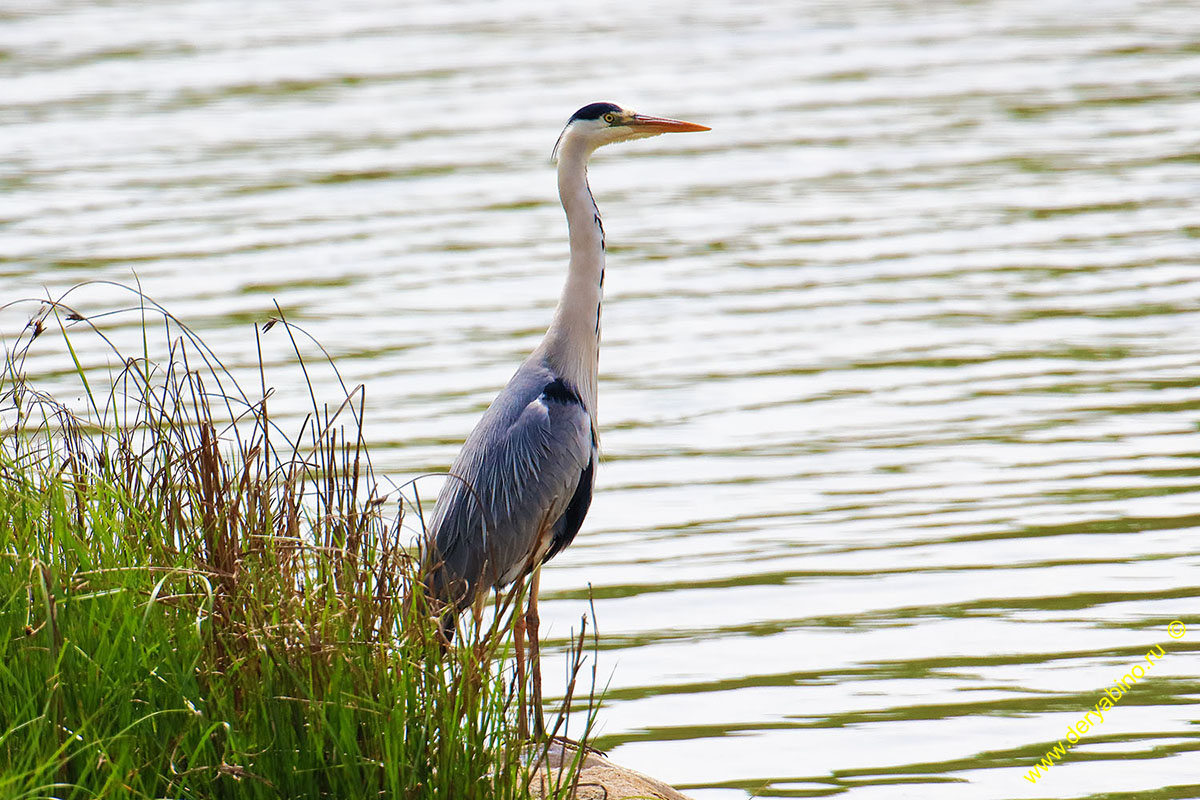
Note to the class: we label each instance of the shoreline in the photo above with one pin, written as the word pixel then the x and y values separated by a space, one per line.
pixel 599 778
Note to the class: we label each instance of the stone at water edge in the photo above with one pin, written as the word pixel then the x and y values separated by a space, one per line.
pixel 601 779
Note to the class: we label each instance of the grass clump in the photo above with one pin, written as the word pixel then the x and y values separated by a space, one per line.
pixel 195 605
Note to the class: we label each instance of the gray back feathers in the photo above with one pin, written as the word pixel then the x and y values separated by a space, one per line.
pixel 505 504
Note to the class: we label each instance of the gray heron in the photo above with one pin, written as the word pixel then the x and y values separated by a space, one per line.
pixel 520 487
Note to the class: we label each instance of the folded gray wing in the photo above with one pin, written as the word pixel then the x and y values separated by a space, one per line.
pixel 512 483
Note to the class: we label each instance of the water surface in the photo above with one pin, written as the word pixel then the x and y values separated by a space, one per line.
pixel 899 380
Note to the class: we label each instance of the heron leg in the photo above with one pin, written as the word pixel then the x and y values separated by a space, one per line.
pixel 519 644
pixel 535 661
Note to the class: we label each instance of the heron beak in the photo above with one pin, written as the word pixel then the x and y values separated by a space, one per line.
pixel 651 125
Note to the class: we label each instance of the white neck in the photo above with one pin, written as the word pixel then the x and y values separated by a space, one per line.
pixel 572 344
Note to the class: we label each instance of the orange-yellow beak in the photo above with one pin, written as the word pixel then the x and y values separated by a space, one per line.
pixel 663 125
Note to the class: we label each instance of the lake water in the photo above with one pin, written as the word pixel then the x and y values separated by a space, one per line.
pixel 899 386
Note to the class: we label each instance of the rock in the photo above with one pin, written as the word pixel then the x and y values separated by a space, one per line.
pixel 599 779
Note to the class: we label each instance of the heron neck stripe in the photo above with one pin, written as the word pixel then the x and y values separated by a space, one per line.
pixel 595 212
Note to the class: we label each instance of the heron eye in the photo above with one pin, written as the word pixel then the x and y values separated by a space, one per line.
pixel 610 118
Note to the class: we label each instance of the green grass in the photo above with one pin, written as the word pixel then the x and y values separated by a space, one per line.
pixel 195 605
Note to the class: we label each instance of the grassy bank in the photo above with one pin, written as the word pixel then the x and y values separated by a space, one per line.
pixel 195 603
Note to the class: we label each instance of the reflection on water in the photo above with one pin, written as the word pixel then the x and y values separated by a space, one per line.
pixel 900 364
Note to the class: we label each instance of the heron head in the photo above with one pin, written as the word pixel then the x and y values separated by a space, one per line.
pixel 598 124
